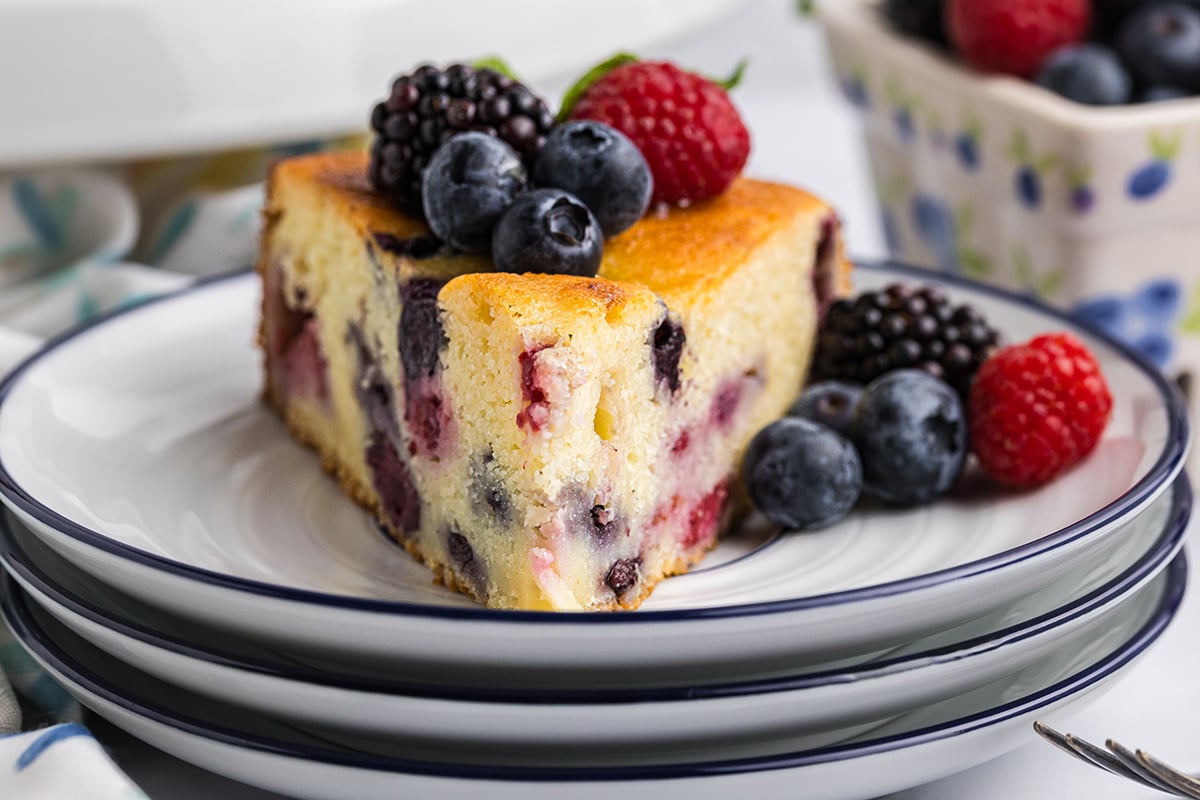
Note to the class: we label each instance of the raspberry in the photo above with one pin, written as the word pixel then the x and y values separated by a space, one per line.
pixel 685 125
pixel 1037 409
pixel 1014 36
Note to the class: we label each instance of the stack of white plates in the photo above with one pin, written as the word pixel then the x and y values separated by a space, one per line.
pixel 188 572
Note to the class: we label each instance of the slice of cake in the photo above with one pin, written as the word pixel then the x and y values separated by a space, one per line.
pixel 540 441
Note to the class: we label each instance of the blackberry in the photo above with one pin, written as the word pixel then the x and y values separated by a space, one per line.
pixel 430 105
pixel 902 327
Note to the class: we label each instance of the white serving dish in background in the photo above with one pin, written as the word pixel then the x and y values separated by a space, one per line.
pixel 1092 209
pixel 89 81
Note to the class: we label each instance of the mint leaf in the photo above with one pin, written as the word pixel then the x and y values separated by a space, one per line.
pixel 572 95
pixel 495 63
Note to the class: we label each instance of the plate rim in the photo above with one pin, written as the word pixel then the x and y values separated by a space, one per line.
pixel 1169 463
pixel 19 567
pixel 41 646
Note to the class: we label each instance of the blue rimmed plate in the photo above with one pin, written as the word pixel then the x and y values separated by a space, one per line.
pixel 138 449
pixel 708 721
pixel 938 740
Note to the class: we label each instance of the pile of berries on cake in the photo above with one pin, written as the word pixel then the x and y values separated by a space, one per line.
pixel 492 170
pixel 1099 52
pixel 905 388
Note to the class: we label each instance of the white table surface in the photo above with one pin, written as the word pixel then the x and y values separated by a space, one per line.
pixel 803 133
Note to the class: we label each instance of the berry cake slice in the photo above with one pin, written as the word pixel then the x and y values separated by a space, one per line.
pixel 540 441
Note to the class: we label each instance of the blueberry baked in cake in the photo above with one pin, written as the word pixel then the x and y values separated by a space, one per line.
pixel 541 389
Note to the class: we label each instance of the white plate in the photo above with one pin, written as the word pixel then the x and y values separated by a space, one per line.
pixel 179 77
pixel 138 448
pixel 690 724
pixel 924 745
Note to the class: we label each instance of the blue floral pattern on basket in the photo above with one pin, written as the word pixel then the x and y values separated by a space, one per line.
pixel 54 762
pixel 1146 318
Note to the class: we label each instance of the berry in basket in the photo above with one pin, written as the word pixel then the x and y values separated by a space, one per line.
pixel 1096 52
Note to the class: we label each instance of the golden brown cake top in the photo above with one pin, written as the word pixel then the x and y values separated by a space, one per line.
pixel 553 299
pixel 677 253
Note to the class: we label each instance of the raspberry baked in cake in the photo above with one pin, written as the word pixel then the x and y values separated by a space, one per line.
pixel 540 441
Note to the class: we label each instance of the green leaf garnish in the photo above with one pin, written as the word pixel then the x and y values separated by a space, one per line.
pixel 497 64
pixel 572 95
pixel 730 83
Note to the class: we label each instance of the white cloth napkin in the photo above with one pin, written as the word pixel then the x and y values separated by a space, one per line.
pixel 10 710
pixel 65 237
pixel 59 761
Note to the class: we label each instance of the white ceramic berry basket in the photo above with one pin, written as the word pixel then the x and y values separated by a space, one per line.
pixel 1092 209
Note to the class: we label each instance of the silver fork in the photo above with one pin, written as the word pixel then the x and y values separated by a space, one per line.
pixel 1137 765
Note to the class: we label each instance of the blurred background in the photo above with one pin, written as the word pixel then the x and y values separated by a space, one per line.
pixel 135 133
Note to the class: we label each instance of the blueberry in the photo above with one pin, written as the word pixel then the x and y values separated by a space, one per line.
pixel 394 483
pixel 548 230
pixel 911 433
pixel 1086 73
pixel 623 575
pixel 830 403
pixel 489 496
pixel 1160 93
pixel 463 558
pixel 665 351
pixel 1161 45
pixel 605 523
pixel 801 474
pixel 467 186
pixel 600 166
pixel 415 248
pixel 420 336
pixel 371 388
